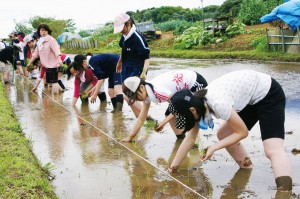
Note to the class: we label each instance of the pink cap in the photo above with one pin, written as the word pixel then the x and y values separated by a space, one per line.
pixel 120 21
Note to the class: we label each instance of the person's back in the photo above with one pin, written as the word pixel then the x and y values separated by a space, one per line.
pixel 6 59
pixel 6 55
pixel 103 65
pixel 168 83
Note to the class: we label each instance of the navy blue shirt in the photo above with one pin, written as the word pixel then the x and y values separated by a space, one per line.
pixel 134 50
pixel 104 65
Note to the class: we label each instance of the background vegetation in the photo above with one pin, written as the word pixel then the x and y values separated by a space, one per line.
pixel 183 29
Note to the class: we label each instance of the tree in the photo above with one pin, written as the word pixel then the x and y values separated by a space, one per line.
pixel 23 27
pixel 84 33
pixel 57 26
pixel 230 8
pixel 37 20
pixel 251 11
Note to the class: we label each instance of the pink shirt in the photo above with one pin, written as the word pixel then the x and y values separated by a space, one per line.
pixel 43 69
pixel 89 77
pixel 48 52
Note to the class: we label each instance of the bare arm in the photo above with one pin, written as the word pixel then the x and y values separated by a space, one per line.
pixel 161 125
pixel 97 88
pixel 186 145
pixel 240 131
pixel 146 66
pixel 74 100
pixel 36 85
pixel 119 65
pixel 139 123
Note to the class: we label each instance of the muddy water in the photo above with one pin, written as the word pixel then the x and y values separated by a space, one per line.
pixel 82 144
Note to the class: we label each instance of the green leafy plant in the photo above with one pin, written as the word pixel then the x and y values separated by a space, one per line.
pixel 193 37
pixel 235 29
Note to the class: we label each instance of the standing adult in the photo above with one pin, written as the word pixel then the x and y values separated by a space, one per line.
pixel 49 52
pixel 19 63
pixel 240 98
pixel 135 56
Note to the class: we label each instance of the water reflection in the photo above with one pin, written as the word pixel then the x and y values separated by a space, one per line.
pixel 82 143
pixel 236 188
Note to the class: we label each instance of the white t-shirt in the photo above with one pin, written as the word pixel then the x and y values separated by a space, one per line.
pixel 169 83
pixel 236 90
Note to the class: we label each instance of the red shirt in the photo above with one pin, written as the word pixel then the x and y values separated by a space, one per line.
pixel 89 77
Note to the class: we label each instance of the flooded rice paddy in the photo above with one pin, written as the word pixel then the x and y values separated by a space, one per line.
pixel 83 143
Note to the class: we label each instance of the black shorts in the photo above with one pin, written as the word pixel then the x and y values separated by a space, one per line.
pixel 199 84
pixel 270 112
pixel 51 75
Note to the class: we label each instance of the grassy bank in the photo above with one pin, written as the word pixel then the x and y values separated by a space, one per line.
pixel 22 176
pixel 201 54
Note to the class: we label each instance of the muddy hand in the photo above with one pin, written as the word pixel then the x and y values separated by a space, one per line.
pixel 210 151
pixel 173 169
pixel 158 127
pixel 93 99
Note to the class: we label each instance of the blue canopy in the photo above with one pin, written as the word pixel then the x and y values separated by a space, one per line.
pixel 288 12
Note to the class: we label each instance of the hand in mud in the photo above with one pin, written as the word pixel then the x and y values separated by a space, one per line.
pixel 93 99
pixel 209 152
pixel 159 127
pixel 173 169
pixel 127 139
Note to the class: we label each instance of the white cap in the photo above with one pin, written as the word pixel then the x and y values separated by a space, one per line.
pixel 119 22
pixel 132 83
pixel 130 87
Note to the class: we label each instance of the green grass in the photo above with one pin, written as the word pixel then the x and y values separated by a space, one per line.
pixel 205 54
pixel 22 175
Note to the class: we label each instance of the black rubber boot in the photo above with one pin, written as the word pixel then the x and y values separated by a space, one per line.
pixel 102 97
pixel 61 84
pixel 119 104
pixel 114 102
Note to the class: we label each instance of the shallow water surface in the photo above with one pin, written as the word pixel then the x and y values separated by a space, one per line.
pixel 89 161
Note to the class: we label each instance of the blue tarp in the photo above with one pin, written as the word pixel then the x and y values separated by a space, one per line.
pixel 67 36
pixel 288 12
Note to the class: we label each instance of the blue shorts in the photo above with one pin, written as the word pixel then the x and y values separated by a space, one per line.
pixel 131 72
pixel 114 79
